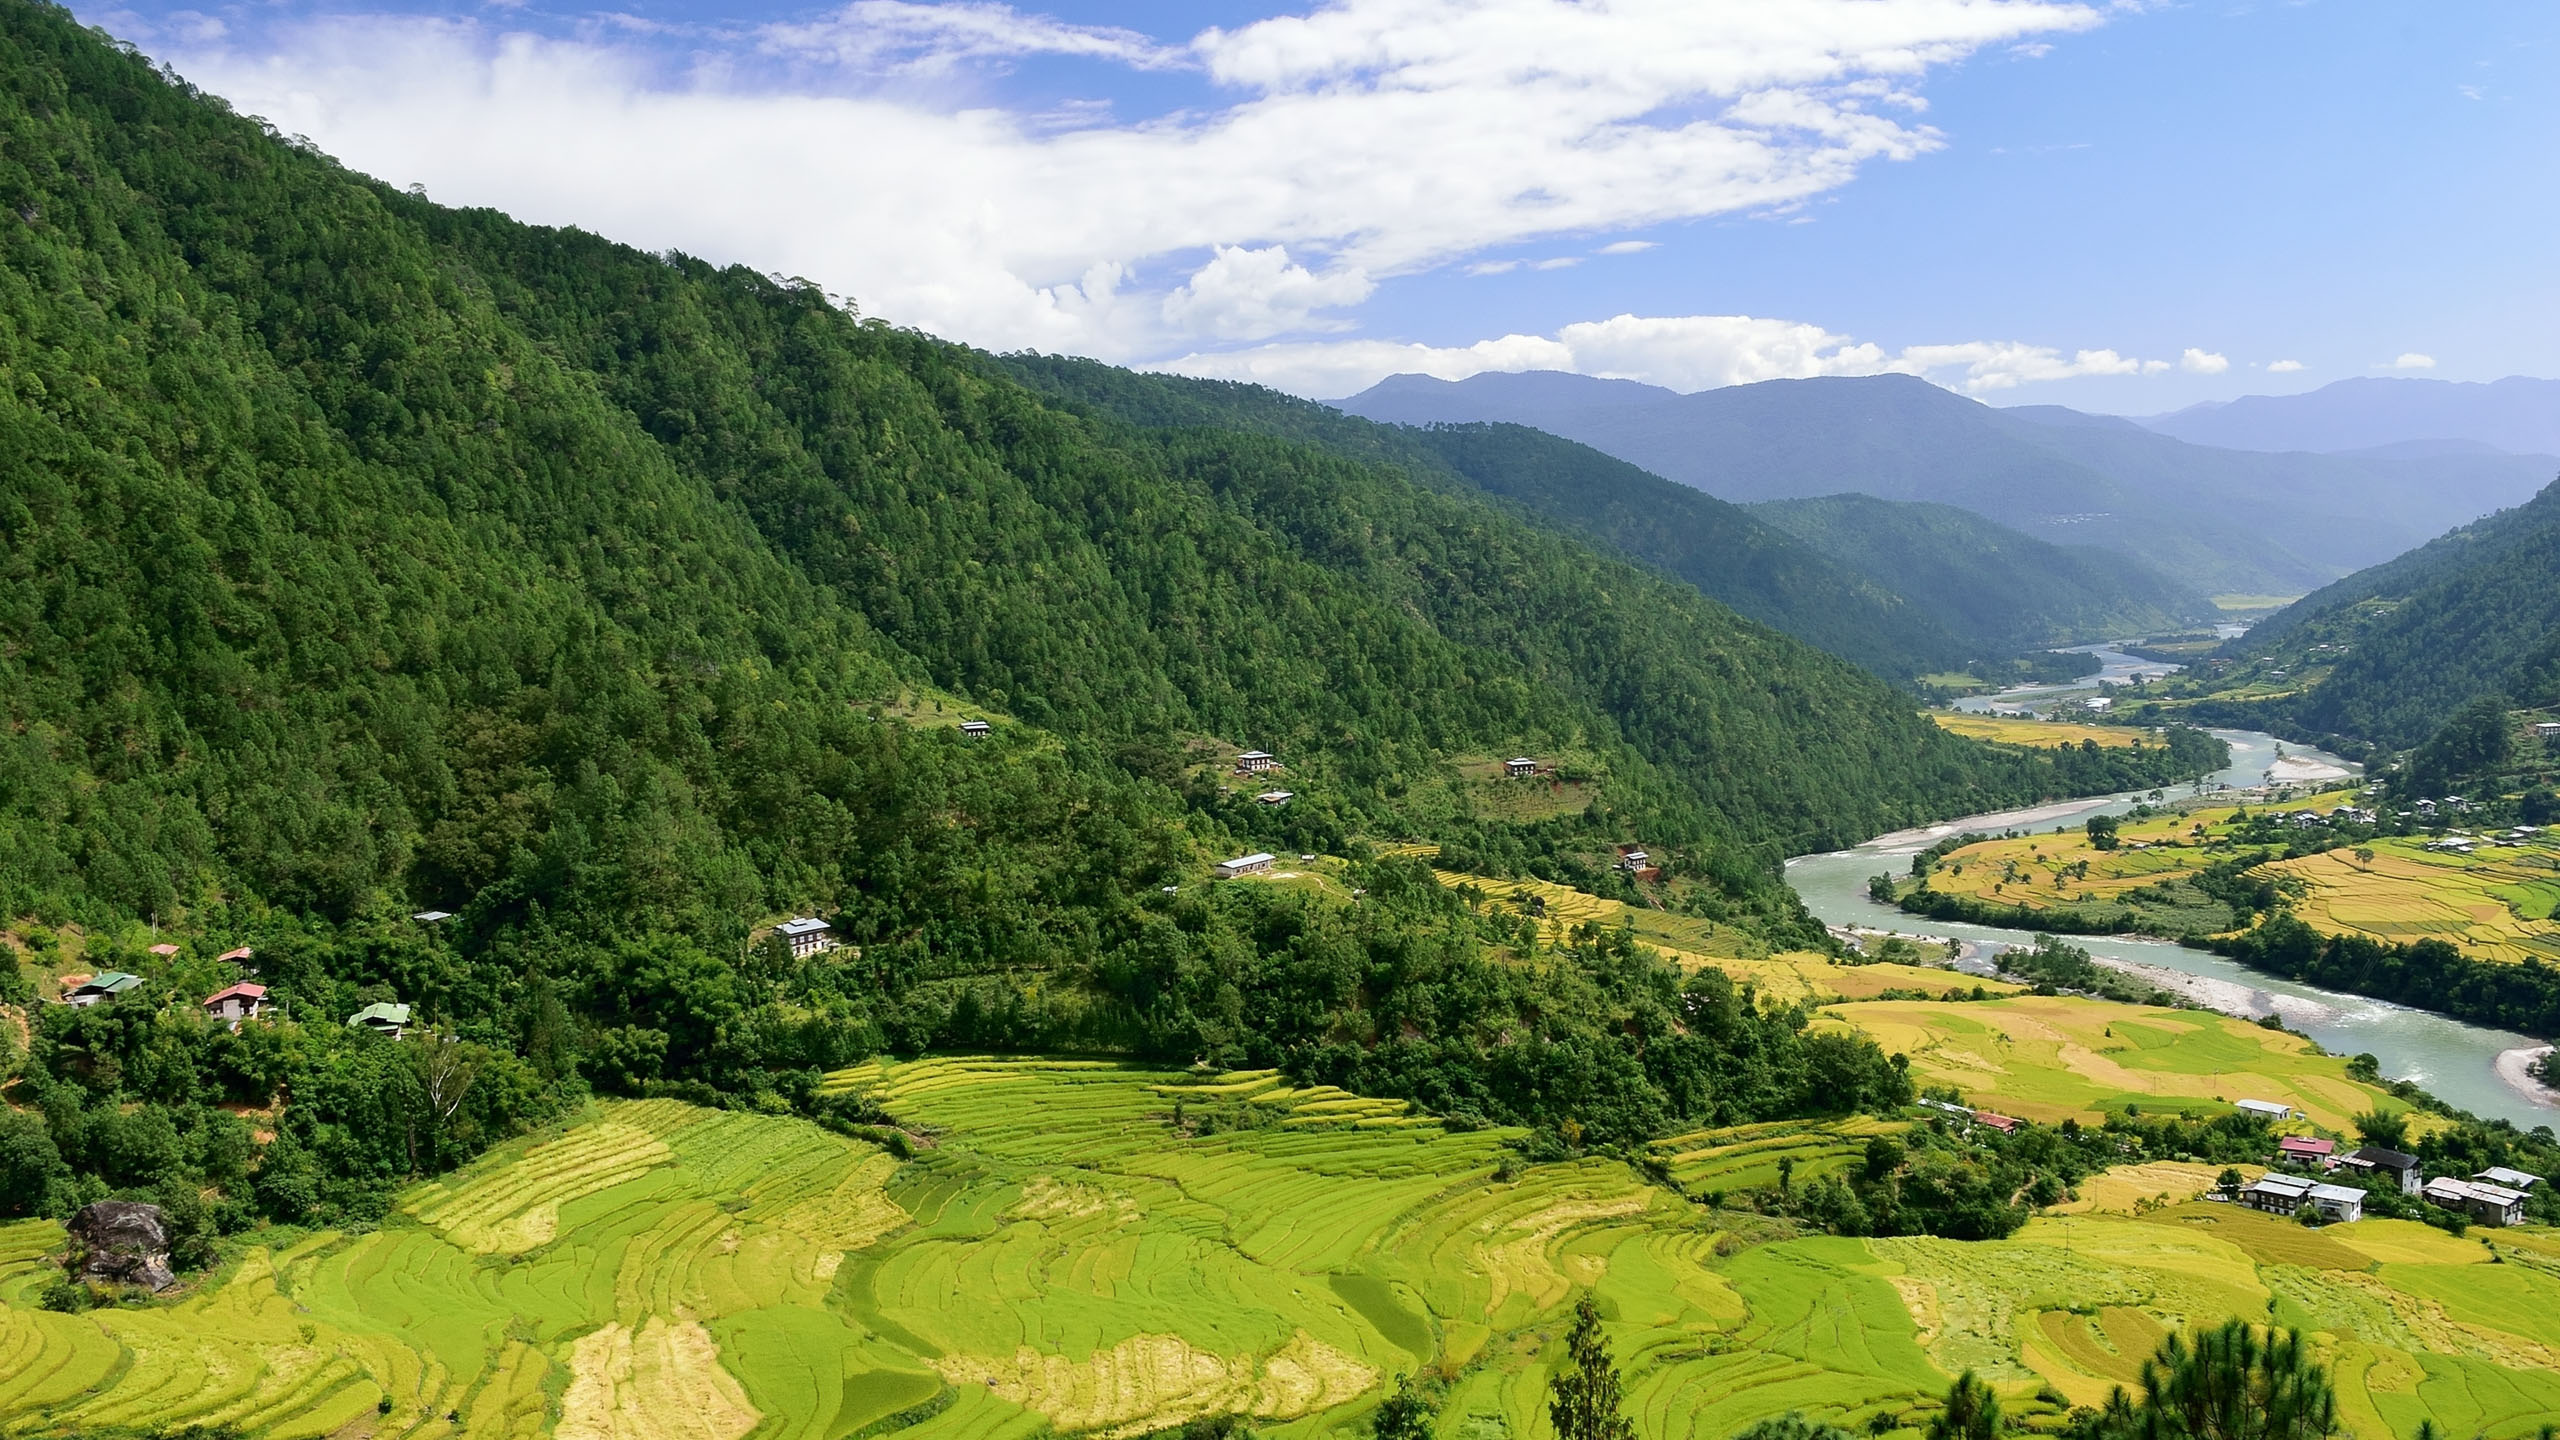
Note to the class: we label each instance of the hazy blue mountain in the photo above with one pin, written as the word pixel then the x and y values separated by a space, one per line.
pixel 2518 415
pixel 2216 521
pixel 1992 586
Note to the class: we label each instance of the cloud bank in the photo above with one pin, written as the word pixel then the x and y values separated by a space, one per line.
pixel 1337 149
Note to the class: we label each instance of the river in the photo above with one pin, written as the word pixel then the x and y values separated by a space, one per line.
pixel 2470 1067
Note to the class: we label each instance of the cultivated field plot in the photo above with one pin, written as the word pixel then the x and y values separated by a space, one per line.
pixel 2039 734
pixel 2055 1057
pixel 2496 903
pixel 1684 938
pixel 2057 871
pixel 1072 1251
pixel 1801 977
pixel 1746 1157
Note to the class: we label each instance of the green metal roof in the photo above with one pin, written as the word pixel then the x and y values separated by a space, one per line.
pixel 381 1013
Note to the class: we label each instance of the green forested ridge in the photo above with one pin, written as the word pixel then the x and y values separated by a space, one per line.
pixel 363 556
pixel 1756 568
pixel 1998 590
pixel 2390 652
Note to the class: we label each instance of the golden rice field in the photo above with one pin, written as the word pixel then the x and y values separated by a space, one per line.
pixel 2055 1057
pixel 2496 903
pixel 1061 1259
pixel 1688 939
pixel 2038 734
pixel 1801 977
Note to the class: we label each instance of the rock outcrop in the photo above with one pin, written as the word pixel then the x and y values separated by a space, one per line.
pixel 122 1242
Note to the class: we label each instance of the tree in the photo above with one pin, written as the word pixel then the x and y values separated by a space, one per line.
pixel 1405 1415
pixel 2228 1183
pixel 2231 1384
pixel 1583 1398
pixel 2387 1129
pixel 2102 832
pixel 1971 1412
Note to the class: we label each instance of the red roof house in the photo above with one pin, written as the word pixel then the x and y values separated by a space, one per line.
pixel 164 950
pixel 2304 1149
pixel 2005 1124
pixel 243 953
pixel 237 1003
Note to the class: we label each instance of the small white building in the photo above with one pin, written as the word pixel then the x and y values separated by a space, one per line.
pixel 2279 1194
pixel 2511 1179
pixel 807 936
pixel 1275 797
pixel 1251 864
pixel 2268 1108
pixel 1519 765
pixel 2344 1203
pixel 1632 857
pixel 432 917
pixel 975 729
pixel 1254 762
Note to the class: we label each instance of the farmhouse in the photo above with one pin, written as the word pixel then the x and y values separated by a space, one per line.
pixel 1275 797
pixel 101 987
pixel 1254 762
pixel 2285 1194
pixel 808 936
pixel 1632 857
pixel 2005 1124
pixel 237 1003
pixel 386 1018
pixel 1519 765
pixel 2268 1108
pixel 243 953
pixel 2373 1159
pixel 2510 1179
pixel 2304 1150
pixel 432 917
pixel 2546 728
pixel 2488 1204
pixel 975 729
pixel 1245 864
pixel 165 950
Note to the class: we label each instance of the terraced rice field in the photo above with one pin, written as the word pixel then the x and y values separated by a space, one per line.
pixel 1800 977
pixel 1688 939
pixel 2497 903
pixel 2038 734
pixel 1745 1157
pixel 1063 1258
pixel 2055 1057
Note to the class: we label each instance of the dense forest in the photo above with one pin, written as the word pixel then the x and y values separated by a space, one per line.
pixel 1998 590
pixel 2401 646
pixel 366 558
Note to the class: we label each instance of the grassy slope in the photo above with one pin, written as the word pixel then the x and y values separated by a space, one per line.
pixel 1062 1257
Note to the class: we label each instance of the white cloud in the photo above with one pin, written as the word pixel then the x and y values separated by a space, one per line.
pixel 1682 352
pixel 1362 140
pixel 2283 367
pixel 2203 362
pixel 1245 294
pixel 901 37
pixel 2413 361
pixel 1626 247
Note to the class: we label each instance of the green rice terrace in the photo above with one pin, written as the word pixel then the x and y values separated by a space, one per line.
pixel 1086 1248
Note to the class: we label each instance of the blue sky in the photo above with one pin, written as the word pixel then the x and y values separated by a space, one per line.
pixel 2125 207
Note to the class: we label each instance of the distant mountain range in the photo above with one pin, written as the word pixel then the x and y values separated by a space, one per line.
pixel 2372 415
pixel 2219 521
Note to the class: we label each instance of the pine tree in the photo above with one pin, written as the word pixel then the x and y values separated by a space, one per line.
pixel 1972 1412
pixel 1583 1398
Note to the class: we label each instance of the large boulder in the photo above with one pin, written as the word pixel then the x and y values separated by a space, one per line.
pixel 122 1242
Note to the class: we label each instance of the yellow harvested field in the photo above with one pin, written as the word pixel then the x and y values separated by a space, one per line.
pixel 2055 1057
pixel 1803 977
pixel 2125 1189
pixel 2495 904
pixel 2039 734
pixel 2053 870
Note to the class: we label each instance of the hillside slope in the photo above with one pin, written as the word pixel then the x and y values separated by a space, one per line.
pixel 364 557
pixel 2399 647
pixel 2001 590
pixel 2216 521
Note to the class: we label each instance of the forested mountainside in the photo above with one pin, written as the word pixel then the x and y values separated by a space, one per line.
pixel 364 556
pixel 2000 590
pixel 2390 652
pixel 2218 521
pixel 1756 568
